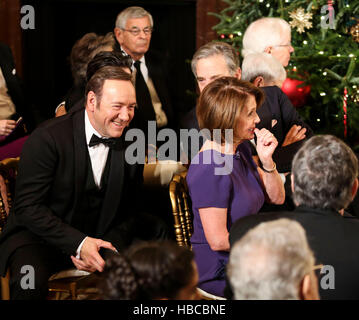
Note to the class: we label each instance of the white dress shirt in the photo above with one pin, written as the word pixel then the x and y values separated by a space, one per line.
pixel 98 156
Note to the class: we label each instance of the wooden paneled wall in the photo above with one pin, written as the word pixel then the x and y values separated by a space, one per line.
pixel 10 29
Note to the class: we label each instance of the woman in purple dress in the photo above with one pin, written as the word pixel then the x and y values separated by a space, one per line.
pixel 224 182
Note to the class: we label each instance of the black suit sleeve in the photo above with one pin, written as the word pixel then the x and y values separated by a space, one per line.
pixel 290 115
pixel 283 156
pixel 34 183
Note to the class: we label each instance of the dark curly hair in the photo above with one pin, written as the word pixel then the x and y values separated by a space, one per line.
pixel 84 50
pixel 149 270
pixel 105 59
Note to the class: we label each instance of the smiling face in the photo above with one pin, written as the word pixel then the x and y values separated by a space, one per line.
pixel 135 45
pixel 111 113
pixel 248 119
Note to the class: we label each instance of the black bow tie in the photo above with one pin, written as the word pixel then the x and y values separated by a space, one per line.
pixel 110 142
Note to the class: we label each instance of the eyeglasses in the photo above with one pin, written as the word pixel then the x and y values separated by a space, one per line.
pixel 318 267
pixel 283 45
pixel 317 270
pixel 136 31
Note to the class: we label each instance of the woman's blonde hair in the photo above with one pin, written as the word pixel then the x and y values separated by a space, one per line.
pixel 220 104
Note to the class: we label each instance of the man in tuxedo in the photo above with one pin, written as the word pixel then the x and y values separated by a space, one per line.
pixel 133 33
pixel 324 182
pixel 75 191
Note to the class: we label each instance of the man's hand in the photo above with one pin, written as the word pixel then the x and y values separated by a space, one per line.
pixel 6 126
pixel 295 133
pixel 90 258
pixel 266 144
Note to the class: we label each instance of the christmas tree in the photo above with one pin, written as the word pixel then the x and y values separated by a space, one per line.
pixel 325 36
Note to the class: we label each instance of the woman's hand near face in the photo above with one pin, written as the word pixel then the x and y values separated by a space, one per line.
pixel 272 182
pixel 266 144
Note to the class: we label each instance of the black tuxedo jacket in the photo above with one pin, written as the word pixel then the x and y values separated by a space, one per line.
pixel 50 184
pixel 333 238
pixel 278 115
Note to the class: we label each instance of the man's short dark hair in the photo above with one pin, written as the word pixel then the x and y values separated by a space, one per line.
pixel 107 58
pixel 97 81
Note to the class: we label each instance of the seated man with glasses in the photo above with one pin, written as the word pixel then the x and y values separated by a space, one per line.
pixel 133 31
pixel 270 35
pixel 264 267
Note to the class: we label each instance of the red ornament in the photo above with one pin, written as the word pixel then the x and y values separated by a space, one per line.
pixel 297 95
pixel 345 98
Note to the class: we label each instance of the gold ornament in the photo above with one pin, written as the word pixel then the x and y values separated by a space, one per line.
pixel 300 19
pixel 355 97
pixel 354 31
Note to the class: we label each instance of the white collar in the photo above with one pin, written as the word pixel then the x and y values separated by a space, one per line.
pixel 143 61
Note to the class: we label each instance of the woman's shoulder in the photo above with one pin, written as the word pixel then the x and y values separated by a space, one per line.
pixel 210 167
pixel 245 149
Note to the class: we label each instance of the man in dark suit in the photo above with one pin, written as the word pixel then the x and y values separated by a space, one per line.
pixel 324 177
pixel 133 32
pixel 75 191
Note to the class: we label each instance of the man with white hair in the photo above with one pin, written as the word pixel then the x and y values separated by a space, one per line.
pixel 263 70
pixel 270 35
pixel 273 261
pixel 133 31
pixel 324 183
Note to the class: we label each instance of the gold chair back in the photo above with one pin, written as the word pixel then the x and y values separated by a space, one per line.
pixel 181 209
pixel 8 173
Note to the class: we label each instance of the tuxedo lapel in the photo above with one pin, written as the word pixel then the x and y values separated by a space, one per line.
pixel 80 154
pixel 156 74
pixel 5 63
pixel 114 189
pixel 265 116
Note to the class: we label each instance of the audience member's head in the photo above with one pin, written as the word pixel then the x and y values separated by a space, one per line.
pixel 214 60
pixel 263 70
pixel 324 174
pixel 133 31
pixel 110 101
pixel 151 271
pixel 270 35
pixel 107 58
pixel 84 50
pixel 273 261
pixel 225 104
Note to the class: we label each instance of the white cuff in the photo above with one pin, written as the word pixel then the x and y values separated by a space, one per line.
pixel 62 104
pixel 282 175
pixel 78 251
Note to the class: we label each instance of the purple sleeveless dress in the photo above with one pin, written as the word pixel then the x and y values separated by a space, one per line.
pixel 222 181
